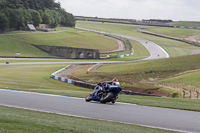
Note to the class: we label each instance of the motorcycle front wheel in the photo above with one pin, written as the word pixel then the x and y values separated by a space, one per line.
pixel 107 98
pixel 88 98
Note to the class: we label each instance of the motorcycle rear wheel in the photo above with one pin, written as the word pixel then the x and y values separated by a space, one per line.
pixel 107 98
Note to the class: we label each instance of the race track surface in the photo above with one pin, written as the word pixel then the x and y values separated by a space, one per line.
pixel 156 52
pixel 178 120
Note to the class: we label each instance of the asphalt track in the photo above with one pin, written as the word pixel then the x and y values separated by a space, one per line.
pixel 170 119
pixel 156 52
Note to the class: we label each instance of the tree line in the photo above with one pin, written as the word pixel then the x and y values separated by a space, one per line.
pixel 19 13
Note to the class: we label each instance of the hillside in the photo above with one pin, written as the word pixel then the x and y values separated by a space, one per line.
pixel 172 47
pixel 169 75
pixel 69 37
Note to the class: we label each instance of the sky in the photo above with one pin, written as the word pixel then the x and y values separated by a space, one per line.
pixel 176 10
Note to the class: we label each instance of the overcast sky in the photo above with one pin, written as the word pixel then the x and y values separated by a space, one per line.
pixel 185 10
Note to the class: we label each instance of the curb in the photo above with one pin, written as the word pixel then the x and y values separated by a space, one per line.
pixel 70 81
pixel 125 55
pixel 89 86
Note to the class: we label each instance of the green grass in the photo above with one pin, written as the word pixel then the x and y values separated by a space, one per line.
pixel 174 48
pixel 187 78
pixel 23 121
pixel 186 62
pixel 131 74
pixel 9 45
pixel 36 78
pixel 176 32
pixel 140 52
pixel 71 39
pixel 198 38
pixel 174 103
pixel 49 60
pixel 18 31
pixel 101 20
pixel 186 23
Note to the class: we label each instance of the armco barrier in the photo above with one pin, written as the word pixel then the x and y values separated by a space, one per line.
pixel 70 81
pixel 125 55
pixel 89 86
pixel 170 37
pixel 186 27
pixel 107 34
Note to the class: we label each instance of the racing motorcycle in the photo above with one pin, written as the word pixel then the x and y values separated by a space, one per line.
pixel 104 93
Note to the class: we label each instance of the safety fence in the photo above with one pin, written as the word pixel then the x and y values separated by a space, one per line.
pixel 191 91
pixel 70 81
pixel 128 46
pixel 186 27
pixel 195 43
pixel 126 41
pixel 89 86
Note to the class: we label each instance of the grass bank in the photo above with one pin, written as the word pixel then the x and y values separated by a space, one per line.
pixel 24 121
pixel 175 32
pixel 36 78
pixel 186 23
pixel 70 37
pixel 173 48
pixel 187 78
pixel 149 74
pixel 198 38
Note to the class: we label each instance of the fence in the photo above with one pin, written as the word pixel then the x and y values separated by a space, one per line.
pixel 191 91
pixel 195 43
pixel 127 43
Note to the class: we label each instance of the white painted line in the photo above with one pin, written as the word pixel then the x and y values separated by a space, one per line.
pixel 79 116
pixel 36 93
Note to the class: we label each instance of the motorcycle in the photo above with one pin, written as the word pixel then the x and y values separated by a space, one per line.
pixel 104 93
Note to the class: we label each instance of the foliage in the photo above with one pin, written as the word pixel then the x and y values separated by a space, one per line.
pixel 3 21
pixel 19 13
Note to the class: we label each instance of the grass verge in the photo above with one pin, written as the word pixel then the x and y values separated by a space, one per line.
pixel 24 121
pixel 186 23
pixel 35 78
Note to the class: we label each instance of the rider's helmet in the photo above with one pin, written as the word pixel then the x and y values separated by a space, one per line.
pixel 116 82
pixel 100 83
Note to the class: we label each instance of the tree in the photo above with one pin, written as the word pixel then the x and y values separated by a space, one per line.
pixel 4 23
pixel 18 13
pixel 36 18
pixel 46 18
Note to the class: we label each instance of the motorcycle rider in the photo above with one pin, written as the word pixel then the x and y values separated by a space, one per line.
pixel 102 89
pixel 114 82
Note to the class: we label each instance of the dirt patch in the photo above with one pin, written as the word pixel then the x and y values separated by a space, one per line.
pixel 147 91
pixel 196 51
pixel 192 38
pixel 67 72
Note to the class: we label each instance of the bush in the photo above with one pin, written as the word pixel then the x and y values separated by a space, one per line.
pixel 175 94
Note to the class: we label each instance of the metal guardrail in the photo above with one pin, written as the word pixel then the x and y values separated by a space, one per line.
pixel 195 43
